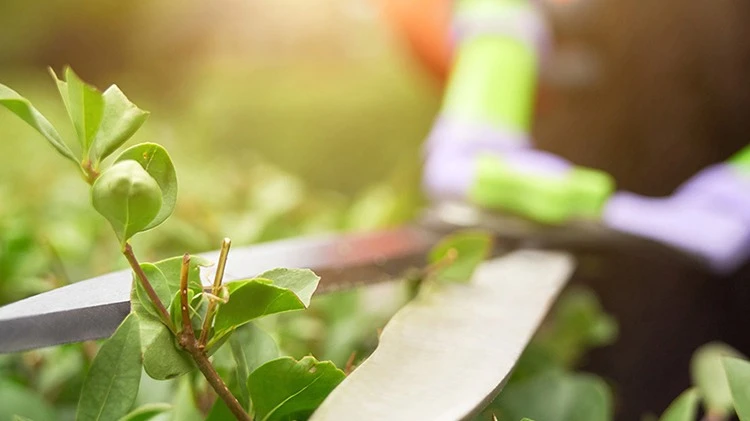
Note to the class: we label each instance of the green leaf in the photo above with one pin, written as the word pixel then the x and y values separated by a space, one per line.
pixel 171 268
pixel 159 282
pixel 458 255
pixel 303 282
pixel 162 357
pixel 21 107
pixel 738 374
pixel 157 163
pixel 128 197
pixel 20 418
pixel 557 396
pixel 147 412
pixel 19 401
pixel 120 120
pixel 258 297
pixel 709 377
pixel 184 405
pixel 84 104
pixel 220 412
pixel 251 347
pixel 111 384
pixel 283 388
pixel 684 408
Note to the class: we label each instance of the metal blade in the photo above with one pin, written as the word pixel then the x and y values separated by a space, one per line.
pixel 93 309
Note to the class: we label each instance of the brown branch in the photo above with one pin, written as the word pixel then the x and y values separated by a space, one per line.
pixel 193 346
pixel 141 275
pixel 215 290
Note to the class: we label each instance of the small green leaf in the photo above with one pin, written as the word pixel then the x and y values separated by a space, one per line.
pixel 254 298
pixel 128 197
pixel 21 107
pixel 162 357
pixel 557 396
pixel 684 408
pixel 157 163
pixel 147 412
pixel 709 377
pixel 458 255
pixel 738 374
pixel 285 388
pixel 171 268
pixel 84 104
pixel 251 347
pixel 120 120
pixel 111 385
pixel 159 282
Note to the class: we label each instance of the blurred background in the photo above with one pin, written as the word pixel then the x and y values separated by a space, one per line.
pixel 292 117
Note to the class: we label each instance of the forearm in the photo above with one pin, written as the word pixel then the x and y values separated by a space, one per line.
pixel 492 85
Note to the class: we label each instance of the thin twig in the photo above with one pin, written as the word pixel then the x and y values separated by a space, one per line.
pixel 141 275
pixel 215 291
pixel 192 345
pixel 187 325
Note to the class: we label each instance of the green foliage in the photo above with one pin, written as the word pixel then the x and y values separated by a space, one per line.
pixel 738 375
pixel 21 107
pixel 248 300
pixel 684 408
pixel 128 197
pixel 286 388
pixel 251 347
pixel 111 385
pixel 457 255
pixel 556 397
pixel 710 378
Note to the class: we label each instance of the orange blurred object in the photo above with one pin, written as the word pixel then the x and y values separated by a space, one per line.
pixel 425 25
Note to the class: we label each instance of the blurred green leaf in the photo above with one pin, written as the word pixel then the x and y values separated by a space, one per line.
pixel 128 197
pixel 157 163
pixel 20 418
pixel 84 104
pixel 556 396
pixel 112 382
pixel 284 290
pixel 220 412
pixel 457 255
pixel 147 412
pixel 709 377
pixel 21 107
pixel 185 408
pixel 684 408
pixel 251 347
pixel 285 388
pixel 738 374
pixel 17 400
pixel 120 120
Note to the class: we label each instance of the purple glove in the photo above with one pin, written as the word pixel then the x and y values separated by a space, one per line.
pixel 708 215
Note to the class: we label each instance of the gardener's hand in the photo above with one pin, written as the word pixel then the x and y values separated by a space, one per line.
pixel 709 215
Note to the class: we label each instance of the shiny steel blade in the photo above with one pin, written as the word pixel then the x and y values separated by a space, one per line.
pixel 93 309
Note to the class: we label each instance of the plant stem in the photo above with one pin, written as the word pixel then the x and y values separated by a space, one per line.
pixel 215 291
pixel 163 314
pixel 193 346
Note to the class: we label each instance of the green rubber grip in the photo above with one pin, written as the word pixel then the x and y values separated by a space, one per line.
pixel 553 199
pixel 741 160
pixel 494 77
